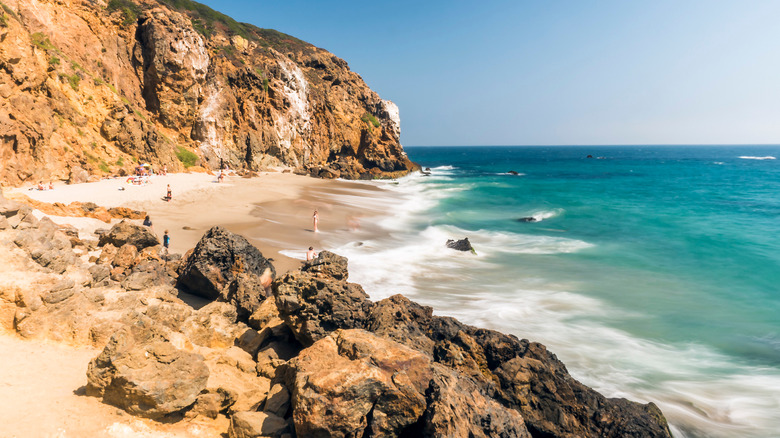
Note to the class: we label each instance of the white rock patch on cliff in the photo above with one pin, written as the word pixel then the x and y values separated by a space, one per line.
pixel 297 119
pixel 394 115
pixel 211 121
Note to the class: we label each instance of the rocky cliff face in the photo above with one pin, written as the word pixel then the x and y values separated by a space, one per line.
pixel 95 85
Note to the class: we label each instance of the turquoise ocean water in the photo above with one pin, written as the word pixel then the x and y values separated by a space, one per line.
pixel 653 272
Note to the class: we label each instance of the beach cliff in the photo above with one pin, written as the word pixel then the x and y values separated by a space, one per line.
pixel 305 354
pixel 90 88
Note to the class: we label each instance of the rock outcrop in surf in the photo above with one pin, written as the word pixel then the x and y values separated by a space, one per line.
pixel 318 358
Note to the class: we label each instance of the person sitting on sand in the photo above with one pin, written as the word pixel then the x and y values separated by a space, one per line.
pixel 310 254
pixel 40 185
pixel 51 185
pixel 168 196
pixel 316 220
pixel 148 222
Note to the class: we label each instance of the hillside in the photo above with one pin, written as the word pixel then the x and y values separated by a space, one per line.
pixel 95 87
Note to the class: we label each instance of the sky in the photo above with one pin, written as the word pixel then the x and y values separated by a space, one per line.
pixel 556 72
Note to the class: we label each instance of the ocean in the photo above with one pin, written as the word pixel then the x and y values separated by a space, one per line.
pixel 652 272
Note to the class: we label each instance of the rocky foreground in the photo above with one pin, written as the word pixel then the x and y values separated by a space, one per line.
pixel 305 354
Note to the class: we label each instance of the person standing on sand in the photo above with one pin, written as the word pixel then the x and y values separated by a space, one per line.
pixel 310 254
pixel 168 195
pixel 316 220
pixel 166 242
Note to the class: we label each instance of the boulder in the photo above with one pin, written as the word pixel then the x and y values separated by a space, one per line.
pixel 460 245
pixel 47 246
pixel 313 307
pixel 8 208
pixel 278 401
pixel 384 382
pixel 126 232
pixel 226 266
pixel 78 175
pixel 328 264
pixel 256 425
pixel 457 407
pixel 141 372
pixel 125 256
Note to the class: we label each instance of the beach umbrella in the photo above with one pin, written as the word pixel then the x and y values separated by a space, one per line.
pixel 146 165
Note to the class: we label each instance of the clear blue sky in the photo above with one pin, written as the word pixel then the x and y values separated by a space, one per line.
pixel 529 72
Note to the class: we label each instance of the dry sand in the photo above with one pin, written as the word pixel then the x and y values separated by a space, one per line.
pixel 41 383
pixel 274 211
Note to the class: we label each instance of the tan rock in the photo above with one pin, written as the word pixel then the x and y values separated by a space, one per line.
pixel 381 378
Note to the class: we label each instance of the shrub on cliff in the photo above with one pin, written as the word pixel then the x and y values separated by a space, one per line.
pixel 187 157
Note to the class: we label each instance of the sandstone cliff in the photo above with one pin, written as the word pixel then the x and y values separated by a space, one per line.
pixel 101 86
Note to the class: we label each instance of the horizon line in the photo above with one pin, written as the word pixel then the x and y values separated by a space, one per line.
pixel 592 145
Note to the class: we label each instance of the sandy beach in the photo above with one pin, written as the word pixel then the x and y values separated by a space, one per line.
pixel 274 210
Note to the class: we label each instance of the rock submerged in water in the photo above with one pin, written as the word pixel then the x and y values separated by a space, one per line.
pixel 528 219
pixel 461 245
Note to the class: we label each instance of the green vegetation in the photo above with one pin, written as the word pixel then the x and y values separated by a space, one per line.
pixel 91 158
pixel 140 116
pixel 120 162
pixel 73 80
pixel 208 19
pixel 104 166
pixel 187 157
pixel 42 41
pixel 81 133
pixel 227 50
pixel 129 10
pixel 265 84
pixel 54 61
pixel 97 81
pixel 4 17
pixel 369 118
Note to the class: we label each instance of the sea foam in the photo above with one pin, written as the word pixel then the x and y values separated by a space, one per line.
pixel 768 157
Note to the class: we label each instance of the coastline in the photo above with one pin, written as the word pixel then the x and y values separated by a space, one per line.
pixel 280 225
pixel 272 210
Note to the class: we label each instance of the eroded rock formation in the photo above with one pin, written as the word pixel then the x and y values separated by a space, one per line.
pixel 92 87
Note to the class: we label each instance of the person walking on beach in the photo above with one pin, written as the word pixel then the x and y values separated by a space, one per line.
pixel 168 195
pixel 310 254
pixel 316 220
